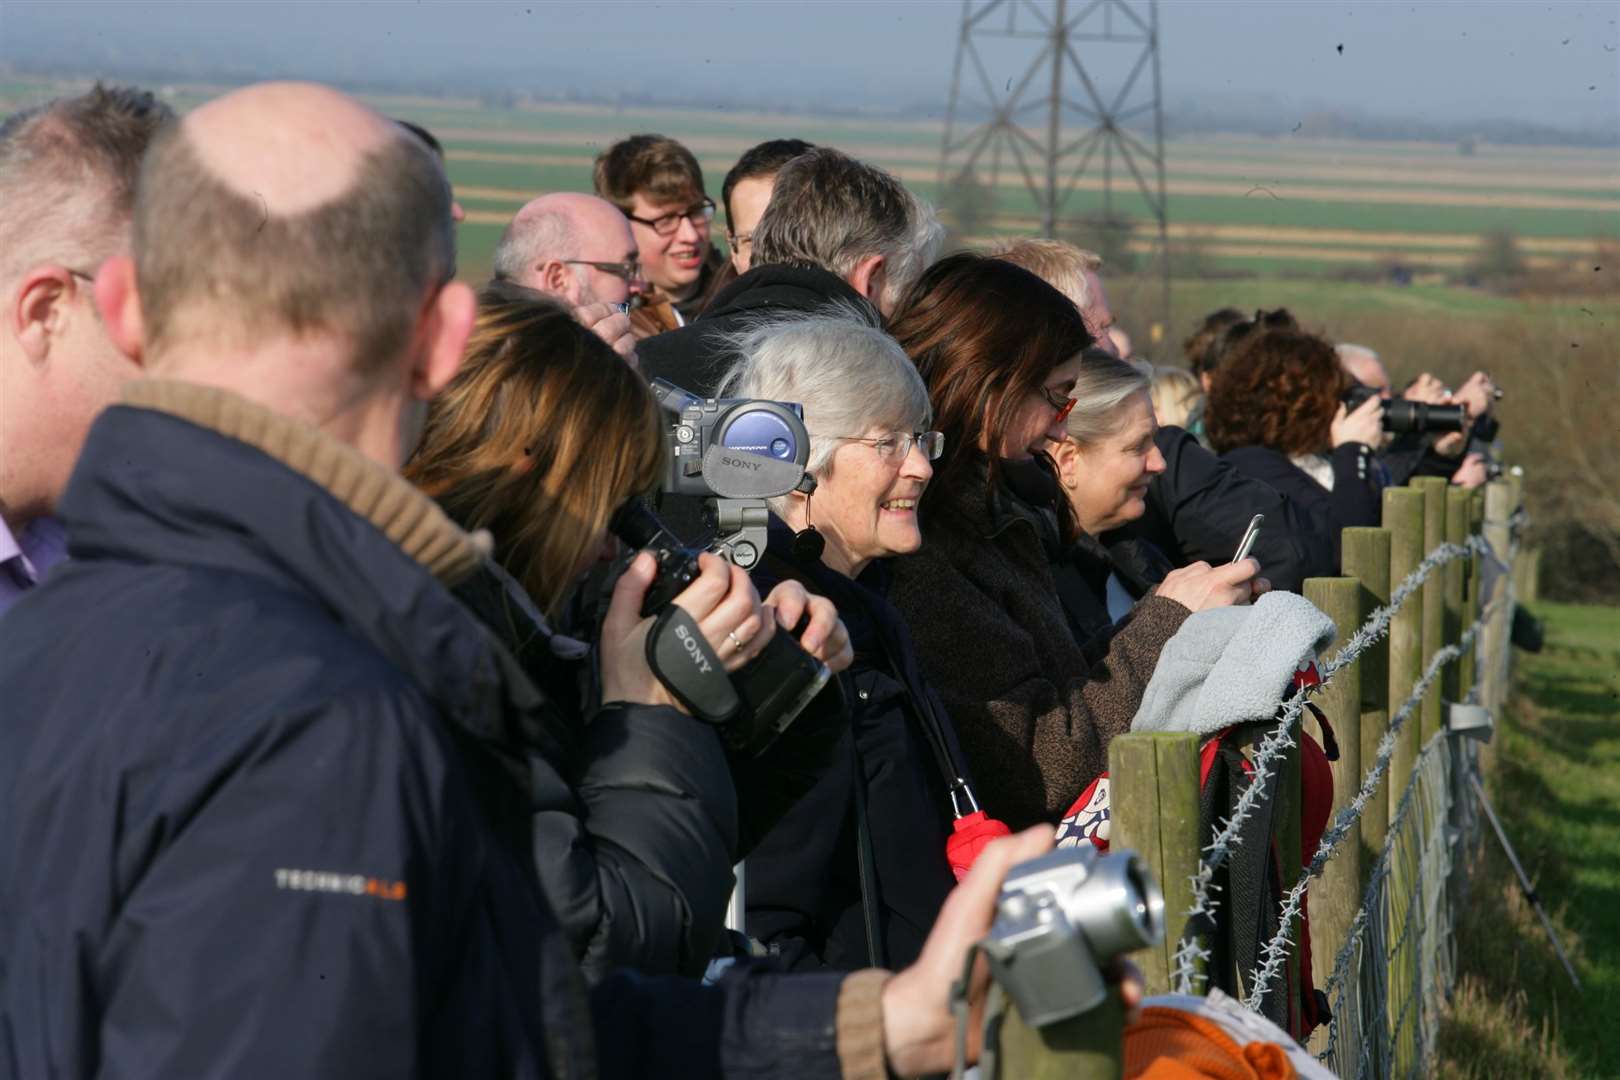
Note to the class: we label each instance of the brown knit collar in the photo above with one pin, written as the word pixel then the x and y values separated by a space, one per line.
pixel 410 519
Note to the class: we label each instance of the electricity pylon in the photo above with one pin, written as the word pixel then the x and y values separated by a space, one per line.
pixel 1082 135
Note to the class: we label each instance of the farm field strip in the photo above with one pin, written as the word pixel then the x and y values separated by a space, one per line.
pixel 1182 186
pixel 1307 164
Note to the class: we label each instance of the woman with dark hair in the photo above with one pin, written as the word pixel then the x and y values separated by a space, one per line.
pixel 1275 414
pixel 999 350
pixel 636 818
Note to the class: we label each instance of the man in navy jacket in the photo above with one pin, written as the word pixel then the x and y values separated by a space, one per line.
pixel 263 805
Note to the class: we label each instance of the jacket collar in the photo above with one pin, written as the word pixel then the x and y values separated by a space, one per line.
pixel 400 512
pixel 190 478
pixel 793 287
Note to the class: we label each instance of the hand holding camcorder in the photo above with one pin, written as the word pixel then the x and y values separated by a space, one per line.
pixel 735 454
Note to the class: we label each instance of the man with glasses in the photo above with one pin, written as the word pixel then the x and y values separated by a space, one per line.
pixel 67 181
pixel 747 191
pixel 658 185
pixel 579 249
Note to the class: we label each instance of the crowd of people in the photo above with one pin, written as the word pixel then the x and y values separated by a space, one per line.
pixel 332 739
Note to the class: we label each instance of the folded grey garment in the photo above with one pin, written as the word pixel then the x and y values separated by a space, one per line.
pixel 1232 665
pixel 1243 1026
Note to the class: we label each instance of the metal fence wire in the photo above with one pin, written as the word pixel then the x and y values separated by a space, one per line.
pixel 1391 977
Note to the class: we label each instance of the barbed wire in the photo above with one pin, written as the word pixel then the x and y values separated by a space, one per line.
pixel 1371 896
pixel 1275 951
pixel 1189 951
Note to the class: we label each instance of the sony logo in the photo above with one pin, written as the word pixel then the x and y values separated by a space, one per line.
pixel 739 463
pixel 692 649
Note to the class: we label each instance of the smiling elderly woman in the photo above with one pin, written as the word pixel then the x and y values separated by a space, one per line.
pixel 856 873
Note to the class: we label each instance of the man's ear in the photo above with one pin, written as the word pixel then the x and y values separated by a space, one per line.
pixel 120 305
pixel 556 278
pixel 446 325
pixel 868 278
pixel 1066 455
pixel 38 309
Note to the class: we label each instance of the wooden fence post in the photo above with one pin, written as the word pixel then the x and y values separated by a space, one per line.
pixel 1434 597
pixel 1335 897
pixel 1456 585
pixel 1091 1044
pixel 1472 604
pixel 1403 517
pixel 1366 558
pixel 1153 811
pixel 1493 674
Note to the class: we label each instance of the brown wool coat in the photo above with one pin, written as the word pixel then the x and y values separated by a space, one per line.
pixel 1033 715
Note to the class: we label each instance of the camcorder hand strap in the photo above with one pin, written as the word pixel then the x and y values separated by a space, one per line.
pixel 681 657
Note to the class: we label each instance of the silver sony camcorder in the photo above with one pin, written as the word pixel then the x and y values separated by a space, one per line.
pixel 1062 918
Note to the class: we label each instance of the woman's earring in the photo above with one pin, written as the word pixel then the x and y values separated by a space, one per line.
pixel 808 543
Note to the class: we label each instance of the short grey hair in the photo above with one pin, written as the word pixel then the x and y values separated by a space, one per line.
pixel 1104 384
pixel 850 377
pixel 68 170
pixel 927 237
pixel 533 239
pixel 829 211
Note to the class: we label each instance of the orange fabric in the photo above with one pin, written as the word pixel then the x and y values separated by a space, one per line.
pixel 1168 1044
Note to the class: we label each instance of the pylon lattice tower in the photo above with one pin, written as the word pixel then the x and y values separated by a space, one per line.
pixel 1080 138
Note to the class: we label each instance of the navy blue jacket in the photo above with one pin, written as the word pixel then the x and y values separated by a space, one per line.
pixel 804 888
pixel 1355 500
pixel 264 809
pixel 1199 507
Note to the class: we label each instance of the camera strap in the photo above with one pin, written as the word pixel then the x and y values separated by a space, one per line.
pixel 681 657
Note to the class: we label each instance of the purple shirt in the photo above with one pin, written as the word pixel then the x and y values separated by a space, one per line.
pixel 26 556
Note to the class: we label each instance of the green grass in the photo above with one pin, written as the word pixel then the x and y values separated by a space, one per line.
pixel 1556 784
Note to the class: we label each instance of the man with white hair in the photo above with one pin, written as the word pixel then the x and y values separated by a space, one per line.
pixel 1072 271
pixel 67 182
pixel 835 230
pixel 1409 455
pixel 580 249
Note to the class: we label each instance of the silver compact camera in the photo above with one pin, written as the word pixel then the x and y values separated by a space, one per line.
pixel 1061 919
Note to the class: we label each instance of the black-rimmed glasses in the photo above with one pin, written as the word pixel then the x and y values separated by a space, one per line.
pixel 628 271
pixel 700 215
pixel 898 445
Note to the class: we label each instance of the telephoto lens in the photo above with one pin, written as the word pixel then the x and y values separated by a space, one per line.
pixel 774 686
pixel 1403 417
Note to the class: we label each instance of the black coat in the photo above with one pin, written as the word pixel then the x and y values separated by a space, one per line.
pixel 804 882
pixel 634 838
pixel 1355 500
pixel 696 357
pixel 264 806
pixel 1199 507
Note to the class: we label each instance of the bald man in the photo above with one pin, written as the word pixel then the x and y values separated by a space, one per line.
pixel 265 785
pixel 580 249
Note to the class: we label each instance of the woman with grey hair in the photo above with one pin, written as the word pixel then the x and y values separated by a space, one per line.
pixel 856 873
pixel 1105 465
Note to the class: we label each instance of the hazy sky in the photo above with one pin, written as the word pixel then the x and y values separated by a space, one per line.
pixel 1557 63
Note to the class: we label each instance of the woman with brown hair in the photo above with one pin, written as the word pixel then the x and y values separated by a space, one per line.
pixel 1275 414
pixel 999 350
pixel 541 436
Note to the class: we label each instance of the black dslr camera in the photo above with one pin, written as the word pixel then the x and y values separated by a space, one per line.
pixel 1415 417
pixel 737 454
